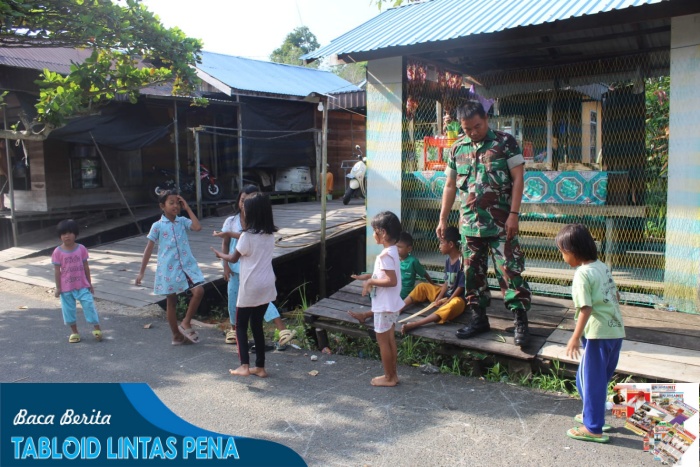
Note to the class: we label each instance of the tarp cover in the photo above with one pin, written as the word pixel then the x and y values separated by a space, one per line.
pixel 276 147
pixel 123 127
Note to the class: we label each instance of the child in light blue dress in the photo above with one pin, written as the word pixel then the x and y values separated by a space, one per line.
pixel 177 269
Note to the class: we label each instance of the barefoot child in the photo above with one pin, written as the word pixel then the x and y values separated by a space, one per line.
pixel 73 282
pixel 257 282
pixel 450 296
pixel 599 329
pixel 410 266
pixel 385 287
pixel 177 269
pixel 230 232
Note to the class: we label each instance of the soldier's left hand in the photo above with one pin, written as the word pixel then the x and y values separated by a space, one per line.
pixel 512 226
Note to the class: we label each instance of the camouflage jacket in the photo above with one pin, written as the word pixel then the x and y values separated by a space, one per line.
pixel 484 185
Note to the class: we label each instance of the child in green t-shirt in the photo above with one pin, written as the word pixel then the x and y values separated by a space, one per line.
pixel 599 329
pixel 410 266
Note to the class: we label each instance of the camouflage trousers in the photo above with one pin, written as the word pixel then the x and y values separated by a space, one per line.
pixel 509 263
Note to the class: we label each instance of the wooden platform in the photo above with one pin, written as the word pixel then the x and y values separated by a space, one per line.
pixel 114 266
pixel 659 345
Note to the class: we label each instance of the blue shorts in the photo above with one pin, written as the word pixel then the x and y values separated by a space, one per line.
pixel 69 309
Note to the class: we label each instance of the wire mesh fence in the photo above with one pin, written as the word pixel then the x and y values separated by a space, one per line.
pixel 595 140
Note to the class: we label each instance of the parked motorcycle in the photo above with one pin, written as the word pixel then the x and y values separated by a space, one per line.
pixel 356 182
pixel 165 180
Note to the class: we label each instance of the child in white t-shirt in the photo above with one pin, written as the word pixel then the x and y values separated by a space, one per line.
pixel 384 287
pixel 599 329
pixel 257 280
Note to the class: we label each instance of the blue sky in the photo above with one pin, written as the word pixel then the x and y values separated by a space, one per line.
pixel 253 29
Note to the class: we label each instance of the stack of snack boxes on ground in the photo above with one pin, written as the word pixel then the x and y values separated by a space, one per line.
pixel 657 412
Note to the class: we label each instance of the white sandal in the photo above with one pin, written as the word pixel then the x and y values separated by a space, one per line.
pixel 286 336
pixel 231 337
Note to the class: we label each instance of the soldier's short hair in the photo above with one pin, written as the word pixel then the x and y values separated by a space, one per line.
pixel 578 241
pixel 470 109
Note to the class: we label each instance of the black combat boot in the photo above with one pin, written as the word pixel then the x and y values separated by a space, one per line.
pixel 522 333
pixel 479 324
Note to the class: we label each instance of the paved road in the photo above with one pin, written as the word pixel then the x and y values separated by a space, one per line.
pixel 335 418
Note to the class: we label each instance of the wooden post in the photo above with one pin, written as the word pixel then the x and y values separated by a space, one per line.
pixel 197 179
pixel 177 146
pixel 240 144
pixel 324 169
pixel 11 186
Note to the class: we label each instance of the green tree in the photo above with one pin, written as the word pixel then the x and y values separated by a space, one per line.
pixel 658 98
pixel 352 72
pixel 130 47
pixel 297 43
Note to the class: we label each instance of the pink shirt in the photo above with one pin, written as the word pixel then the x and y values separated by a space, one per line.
pixel 72 267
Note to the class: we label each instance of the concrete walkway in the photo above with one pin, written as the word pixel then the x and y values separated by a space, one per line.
pixel 335 418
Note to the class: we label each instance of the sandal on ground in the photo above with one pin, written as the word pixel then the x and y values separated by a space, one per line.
pixel 286 337
pixel 74 338
pixel 98 335
pixel 581 435
pixel 182 342
pixel 190 334
pixel 280 348
pixel 231 337
pixel 579 419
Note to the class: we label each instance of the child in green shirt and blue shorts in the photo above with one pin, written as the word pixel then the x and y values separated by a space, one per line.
pixel 599 329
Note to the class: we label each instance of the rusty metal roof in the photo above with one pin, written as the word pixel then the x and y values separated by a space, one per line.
pixel 56 59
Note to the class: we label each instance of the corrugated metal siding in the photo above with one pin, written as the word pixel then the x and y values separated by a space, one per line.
pixel 266 77
pixel 55 59
pixel 441 20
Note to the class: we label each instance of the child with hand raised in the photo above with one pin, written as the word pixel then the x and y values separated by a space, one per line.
pixel 254 249
pixel 384 287
pixel 177 269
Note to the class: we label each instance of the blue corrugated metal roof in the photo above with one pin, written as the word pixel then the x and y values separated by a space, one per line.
pixel 244 74
pixel 442 20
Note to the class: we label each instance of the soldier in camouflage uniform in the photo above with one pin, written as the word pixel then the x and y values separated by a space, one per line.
pixel 485 168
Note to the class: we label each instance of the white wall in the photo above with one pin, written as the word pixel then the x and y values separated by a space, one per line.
pixel 384 115
pixel 683 221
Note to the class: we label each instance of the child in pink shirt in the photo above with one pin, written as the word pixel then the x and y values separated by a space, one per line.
pixel 72 276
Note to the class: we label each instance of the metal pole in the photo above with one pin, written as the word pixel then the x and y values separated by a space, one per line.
pixel 198 180
pixel 177 146
pixel 240 144
pixel 13 219
pixel 114 180
pixel 324 164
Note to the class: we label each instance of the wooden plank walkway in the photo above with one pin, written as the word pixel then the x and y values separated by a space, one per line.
pixel 659 345
pixel 45 240
pixel 114 266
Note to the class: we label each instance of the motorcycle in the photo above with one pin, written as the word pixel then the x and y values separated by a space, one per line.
pixel 188 188
pixel 356 183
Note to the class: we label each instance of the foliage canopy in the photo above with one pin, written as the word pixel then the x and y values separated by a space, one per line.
pixel 130 47
pixel 297 43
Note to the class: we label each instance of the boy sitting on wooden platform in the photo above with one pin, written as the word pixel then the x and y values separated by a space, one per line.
pixel 411 269
pixel 450 296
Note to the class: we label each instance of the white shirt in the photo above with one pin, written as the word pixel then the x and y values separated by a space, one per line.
pixel 257 286
pixel 387 299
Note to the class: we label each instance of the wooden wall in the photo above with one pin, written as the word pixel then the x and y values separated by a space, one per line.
pixel 345 130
